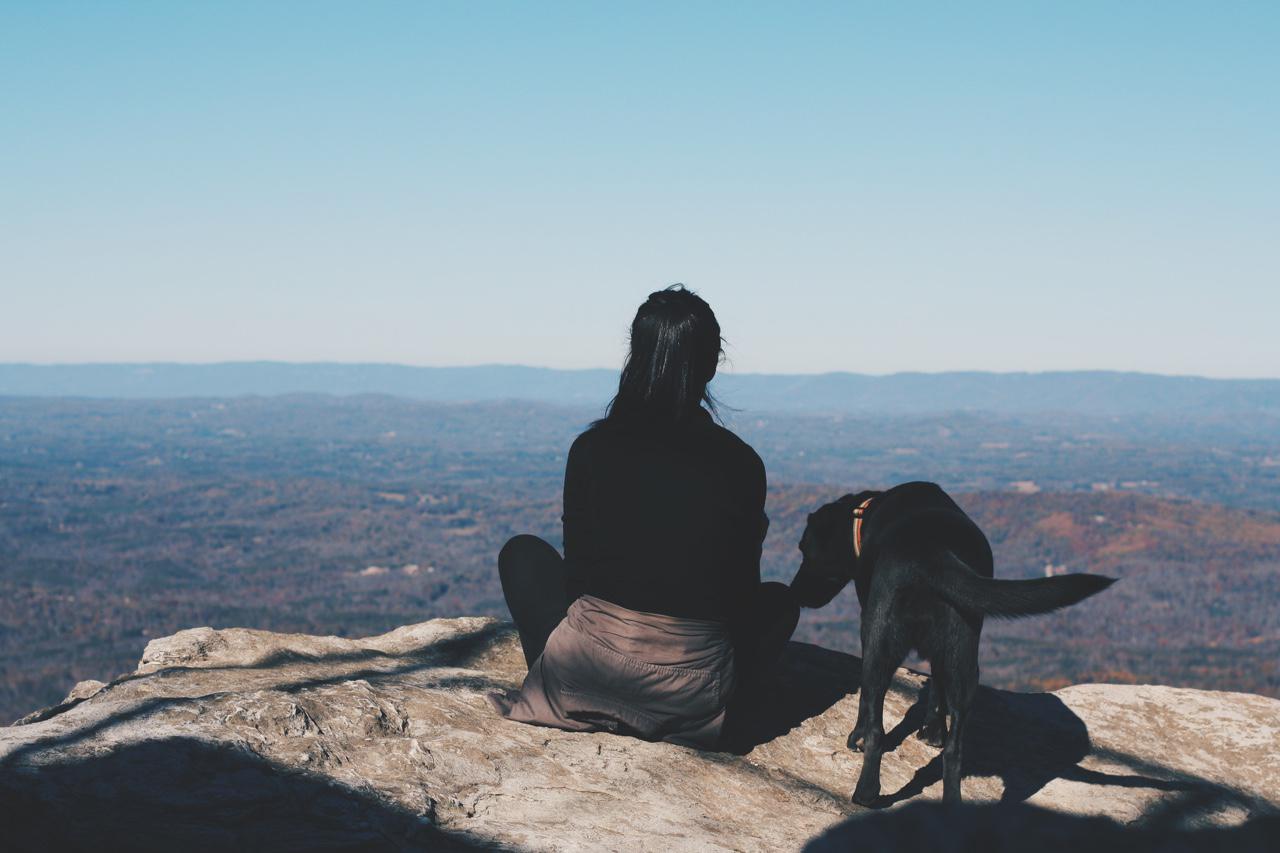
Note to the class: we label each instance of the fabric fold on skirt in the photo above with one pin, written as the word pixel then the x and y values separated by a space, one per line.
pixel 608 668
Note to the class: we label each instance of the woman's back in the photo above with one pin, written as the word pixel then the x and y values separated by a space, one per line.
pixel 665 521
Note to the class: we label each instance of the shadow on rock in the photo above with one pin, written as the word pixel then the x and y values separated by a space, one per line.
pixel 810 679
pixel 996 828
pixel 1025 739
pixel 1030 739
pixel 189 794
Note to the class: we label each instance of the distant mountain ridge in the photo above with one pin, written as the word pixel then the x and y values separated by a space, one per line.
pixel 1081 392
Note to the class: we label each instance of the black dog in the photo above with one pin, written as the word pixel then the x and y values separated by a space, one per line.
pixel 923 572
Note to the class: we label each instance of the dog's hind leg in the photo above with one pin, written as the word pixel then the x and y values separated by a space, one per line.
pixel 960 685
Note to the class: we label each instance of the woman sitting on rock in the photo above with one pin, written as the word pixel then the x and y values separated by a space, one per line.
pixel 656 615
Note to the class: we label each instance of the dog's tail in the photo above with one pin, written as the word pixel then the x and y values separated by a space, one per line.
pixel 1006 599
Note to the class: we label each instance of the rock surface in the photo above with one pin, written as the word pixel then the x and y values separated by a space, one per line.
pixel 240 739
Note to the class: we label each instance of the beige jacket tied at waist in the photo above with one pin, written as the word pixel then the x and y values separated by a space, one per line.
pixel 607 668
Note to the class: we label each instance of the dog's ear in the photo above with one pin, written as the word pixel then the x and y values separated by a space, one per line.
pixel 850 501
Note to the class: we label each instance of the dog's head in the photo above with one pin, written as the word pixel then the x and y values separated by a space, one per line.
pixel 827 559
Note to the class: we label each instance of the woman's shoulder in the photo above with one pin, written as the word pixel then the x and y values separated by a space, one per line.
pixel 601 436
pixel 585 439
pixel 742 452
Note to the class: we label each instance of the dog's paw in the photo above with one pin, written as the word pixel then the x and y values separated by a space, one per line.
pixel 868 798
pixel 932 735
pixel 855 741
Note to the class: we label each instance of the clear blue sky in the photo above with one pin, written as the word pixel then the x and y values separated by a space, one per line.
pixel 873 187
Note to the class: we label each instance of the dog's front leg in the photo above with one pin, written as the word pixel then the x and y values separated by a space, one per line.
pixel 868 789
pixel 860 726
pixel 878 665
pixel 933 730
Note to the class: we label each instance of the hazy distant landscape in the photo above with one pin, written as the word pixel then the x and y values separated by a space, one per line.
pixel 125 519
pixel 1102 393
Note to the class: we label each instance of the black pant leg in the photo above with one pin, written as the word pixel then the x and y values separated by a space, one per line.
pixel 535 585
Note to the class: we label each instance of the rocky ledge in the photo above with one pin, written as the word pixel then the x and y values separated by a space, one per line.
pixel 241 739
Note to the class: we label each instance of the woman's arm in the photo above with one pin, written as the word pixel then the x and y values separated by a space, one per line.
pixel 579 537
pixel 758 493
pixel 746 578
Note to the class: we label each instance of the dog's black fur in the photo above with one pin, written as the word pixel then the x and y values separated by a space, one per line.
pixel 925 581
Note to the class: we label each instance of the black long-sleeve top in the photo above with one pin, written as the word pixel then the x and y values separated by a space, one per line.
pixel 665 520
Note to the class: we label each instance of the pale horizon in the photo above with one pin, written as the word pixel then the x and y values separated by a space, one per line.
pixel 617 367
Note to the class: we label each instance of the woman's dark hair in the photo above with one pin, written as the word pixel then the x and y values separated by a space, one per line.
pixel 675 349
